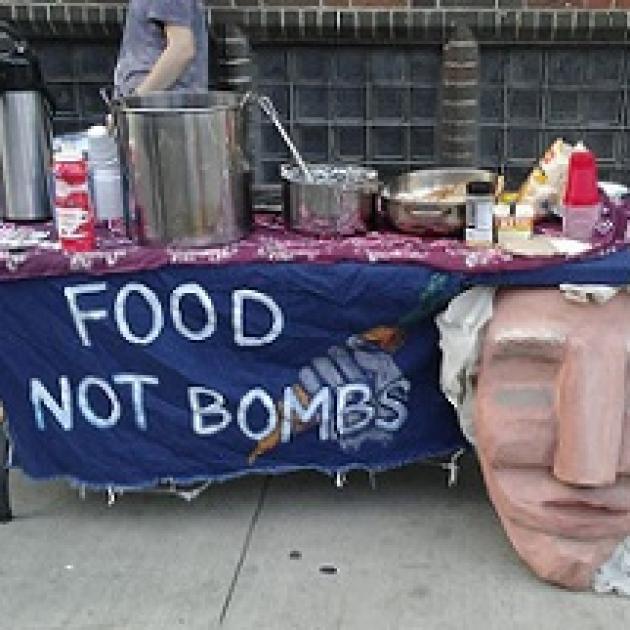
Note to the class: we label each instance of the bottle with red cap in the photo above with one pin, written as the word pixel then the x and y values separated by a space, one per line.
pixel 582 206
pixel 74 214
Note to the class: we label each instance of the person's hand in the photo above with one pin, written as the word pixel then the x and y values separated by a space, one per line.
pixel 363 356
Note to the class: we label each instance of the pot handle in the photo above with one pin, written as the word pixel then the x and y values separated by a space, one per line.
pixel 413 210
pixel 434 212
pixel 113 106
pixel 249 96
pixel 106 96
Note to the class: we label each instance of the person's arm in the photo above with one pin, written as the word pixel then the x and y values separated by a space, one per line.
pixel 172 63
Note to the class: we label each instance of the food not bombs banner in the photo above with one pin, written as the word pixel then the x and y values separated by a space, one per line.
pixel 190 373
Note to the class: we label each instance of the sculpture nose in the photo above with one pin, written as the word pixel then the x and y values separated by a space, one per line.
pixel 590 412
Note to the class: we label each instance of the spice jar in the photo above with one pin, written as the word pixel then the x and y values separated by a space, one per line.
pixel 479 213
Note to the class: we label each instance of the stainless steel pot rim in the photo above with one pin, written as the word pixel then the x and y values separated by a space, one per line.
pixel 174 110
pixel 344 176
pixel 398 189
pixel 179 101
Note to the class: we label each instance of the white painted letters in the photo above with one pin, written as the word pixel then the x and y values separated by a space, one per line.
pixel 137 381
pixel 239 298
pixel 125 325
pixel 215 408
pixel 192 288
pixel 392 404
pixel 246 402
pixel 321 403
pixel 157 320
pixel 86 409
pixel 41 397
pixel 352 417
pixel 80 317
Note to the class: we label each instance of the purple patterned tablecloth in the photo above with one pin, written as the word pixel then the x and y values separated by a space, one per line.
pixel 271 242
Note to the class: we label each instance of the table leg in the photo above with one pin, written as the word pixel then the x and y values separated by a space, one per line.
pixel 5 505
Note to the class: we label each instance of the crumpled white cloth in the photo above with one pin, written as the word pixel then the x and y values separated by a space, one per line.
pixel 584 293
pixel 614 575
pixel 462 328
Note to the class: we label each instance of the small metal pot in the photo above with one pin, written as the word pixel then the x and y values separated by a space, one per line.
pixel 338 201
pixel 406 204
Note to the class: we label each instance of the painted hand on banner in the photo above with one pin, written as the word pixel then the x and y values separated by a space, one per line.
pixel 363 366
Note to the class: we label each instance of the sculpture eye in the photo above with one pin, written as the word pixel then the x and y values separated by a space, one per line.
pixel 524 396
pixel 532 349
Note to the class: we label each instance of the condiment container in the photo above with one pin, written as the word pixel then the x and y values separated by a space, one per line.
pixel 104 174
pixel 513 222
pixel 74 215
pixel 581 204
pixel 479 213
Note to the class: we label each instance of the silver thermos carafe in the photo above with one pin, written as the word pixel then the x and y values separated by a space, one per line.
pixel 25 133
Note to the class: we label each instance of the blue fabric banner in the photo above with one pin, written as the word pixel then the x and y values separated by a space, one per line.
pixel 191 373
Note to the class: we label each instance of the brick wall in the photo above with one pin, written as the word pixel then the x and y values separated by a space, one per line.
pixel 413 20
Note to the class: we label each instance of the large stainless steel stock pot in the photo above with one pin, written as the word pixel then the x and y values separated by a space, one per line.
pixel 185 159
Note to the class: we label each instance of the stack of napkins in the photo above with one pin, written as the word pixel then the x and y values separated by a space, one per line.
pixel 543 245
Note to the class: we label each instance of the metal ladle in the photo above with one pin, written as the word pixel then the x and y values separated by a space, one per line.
pixel 268 107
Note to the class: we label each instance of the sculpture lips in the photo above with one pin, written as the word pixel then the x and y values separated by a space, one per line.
pixel 586 506
pixel 533 499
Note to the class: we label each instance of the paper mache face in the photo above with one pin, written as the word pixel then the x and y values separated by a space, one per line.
pixel 552 421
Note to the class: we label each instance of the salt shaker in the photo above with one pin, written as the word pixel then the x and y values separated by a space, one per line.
pixel 479 213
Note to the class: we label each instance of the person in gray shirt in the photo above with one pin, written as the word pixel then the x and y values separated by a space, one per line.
pixel 164 47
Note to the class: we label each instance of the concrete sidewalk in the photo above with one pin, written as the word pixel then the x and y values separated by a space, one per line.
pixel 279 553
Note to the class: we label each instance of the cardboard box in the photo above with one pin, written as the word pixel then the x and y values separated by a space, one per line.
pixel 515 221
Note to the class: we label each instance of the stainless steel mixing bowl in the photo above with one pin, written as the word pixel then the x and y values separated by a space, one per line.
pixel 405 200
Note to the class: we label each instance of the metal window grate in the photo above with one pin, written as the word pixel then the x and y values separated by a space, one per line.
pixel 530 97
pixel 377 105
pixel 74 72
pixel 368 105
